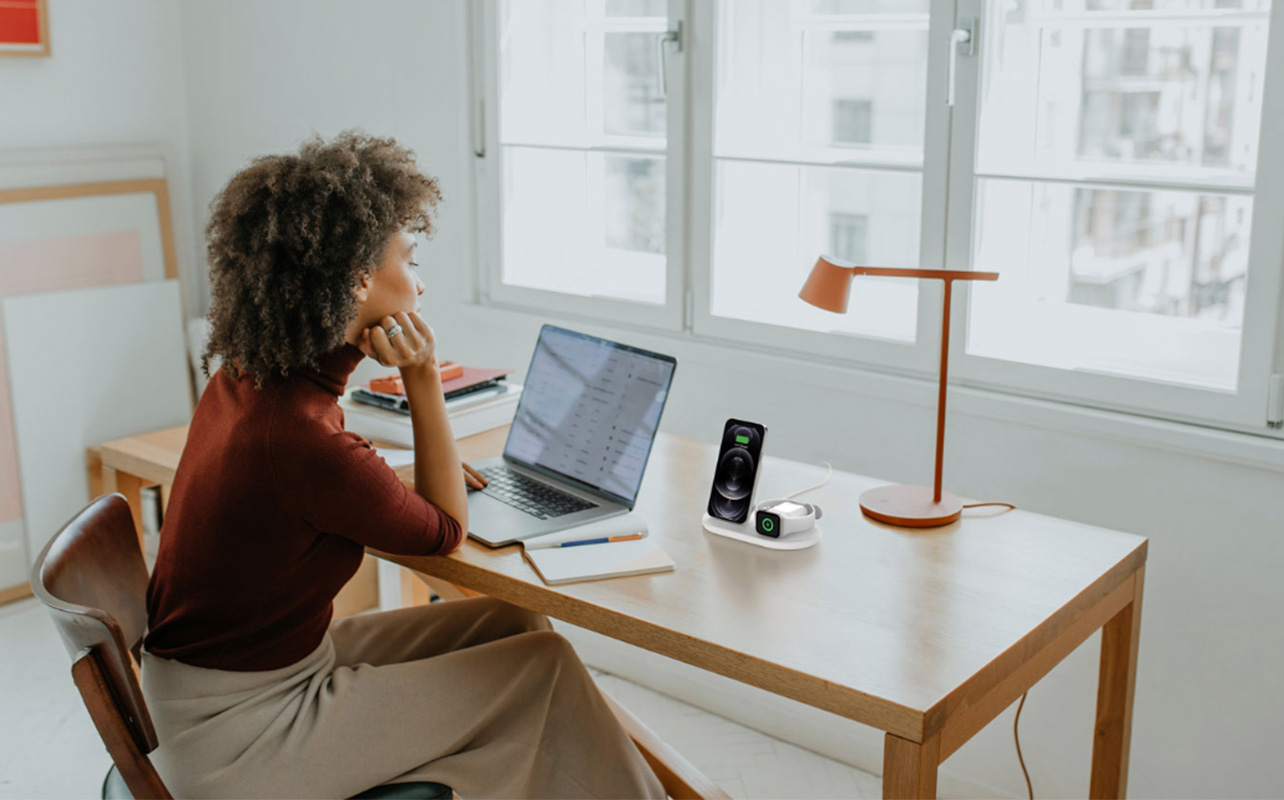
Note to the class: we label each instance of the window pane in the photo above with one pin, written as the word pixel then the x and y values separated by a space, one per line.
pixel 869 6
pixel 816 83
pixel 761 260
pixel 636 8
pixel 635 204
pixel 541 77
pixel 1160 5
pixel 1123 276
pixel 632 103
pixel 584 224
pixel 1065 90
pixel 789 89
pixel 1145 283
pixel 576 220
pixel 872 87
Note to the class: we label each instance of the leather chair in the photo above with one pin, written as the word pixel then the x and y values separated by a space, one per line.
pixel 93 579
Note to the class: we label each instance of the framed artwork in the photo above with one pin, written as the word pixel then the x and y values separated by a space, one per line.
pixel 24 28
pixel 57 239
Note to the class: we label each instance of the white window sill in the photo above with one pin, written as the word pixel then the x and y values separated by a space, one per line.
pixel 1264 450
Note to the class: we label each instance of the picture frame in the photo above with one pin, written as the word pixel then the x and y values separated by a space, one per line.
pixel 24 28
pixel 61 238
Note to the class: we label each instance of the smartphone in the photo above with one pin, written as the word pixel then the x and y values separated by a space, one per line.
pixel 736 472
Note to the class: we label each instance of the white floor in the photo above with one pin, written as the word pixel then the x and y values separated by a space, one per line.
pixel 49 748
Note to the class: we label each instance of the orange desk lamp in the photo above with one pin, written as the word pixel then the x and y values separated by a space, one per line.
pixel 911 506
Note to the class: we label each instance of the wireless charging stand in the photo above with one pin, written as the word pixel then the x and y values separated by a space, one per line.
pixel 744 532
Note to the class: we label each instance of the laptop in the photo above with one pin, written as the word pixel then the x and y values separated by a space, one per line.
pixel 580 438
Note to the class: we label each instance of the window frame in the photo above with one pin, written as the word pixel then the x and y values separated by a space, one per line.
pixel 1245 408
pixel 905 357
pixel 947 209
pixel 489 288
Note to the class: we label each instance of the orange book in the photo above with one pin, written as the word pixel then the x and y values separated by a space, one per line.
pixel 388 384
pixel 450 370
pixel 391 384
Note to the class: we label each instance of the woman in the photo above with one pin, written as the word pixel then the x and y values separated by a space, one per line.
pixel 253 690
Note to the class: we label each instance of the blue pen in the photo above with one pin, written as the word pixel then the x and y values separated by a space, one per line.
pixel 599 540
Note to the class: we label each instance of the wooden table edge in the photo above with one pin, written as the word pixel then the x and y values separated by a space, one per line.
pixel 111 457
pixel 813 691
pixel 967 709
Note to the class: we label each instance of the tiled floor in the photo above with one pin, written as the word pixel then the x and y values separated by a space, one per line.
pixel 48 746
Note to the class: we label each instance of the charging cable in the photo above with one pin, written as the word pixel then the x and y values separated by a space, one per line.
pixel 782 516
pixel 812 488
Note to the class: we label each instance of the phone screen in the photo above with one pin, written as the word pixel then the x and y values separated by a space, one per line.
pixel 736 471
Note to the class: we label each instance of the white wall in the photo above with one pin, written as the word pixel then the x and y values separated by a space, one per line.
pixel 262 76
pixel 115 79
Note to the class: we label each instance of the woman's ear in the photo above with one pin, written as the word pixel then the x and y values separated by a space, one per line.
pixel 362 291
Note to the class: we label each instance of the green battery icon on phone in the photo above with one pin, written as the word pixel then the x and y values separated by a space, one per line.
pixel 742 440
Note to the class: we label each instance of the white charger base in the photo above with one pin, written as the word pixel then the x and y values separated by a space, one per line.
pixel 744 532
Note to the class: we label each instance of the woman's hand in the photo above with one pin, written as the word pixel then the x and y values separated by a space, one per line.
pixel 413 346
pixel 473 478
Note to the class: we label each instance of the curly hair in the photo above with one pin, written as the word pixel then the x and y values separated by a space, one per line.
pixel 289 239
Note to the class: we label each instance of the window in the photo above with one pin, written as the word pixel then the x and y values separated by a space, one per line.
pixel 790 100
pixel 1114 184
pixel 1102 155
pixel 581 174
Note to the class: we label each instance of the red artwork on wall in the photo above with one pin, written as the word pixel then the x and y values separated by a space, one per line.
pixel 24 28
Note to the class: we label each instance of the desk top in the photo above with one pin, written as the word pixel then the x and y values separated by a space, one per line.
pixel 897 628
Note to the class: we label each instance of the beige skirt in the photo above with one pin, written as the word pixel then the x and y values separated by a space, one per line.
pixel 476 694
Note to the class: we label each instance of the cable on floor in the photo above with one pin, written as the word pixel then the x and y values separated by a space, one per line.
pixel 1016 722
pixel 1016 736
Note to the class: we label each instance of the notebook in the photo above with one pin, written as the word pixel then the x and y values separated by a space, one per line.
pixel 590 562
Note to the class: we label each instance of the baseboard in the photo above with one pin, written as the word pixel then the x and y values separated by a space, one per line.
pixel 819 731
pixel 15 593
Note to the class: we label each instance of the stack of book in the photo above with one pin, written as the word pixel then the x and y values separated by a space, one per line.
pixel 476 400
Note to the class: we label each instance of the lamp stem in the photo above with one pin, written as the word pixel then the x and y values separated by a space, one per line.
pixel 940 401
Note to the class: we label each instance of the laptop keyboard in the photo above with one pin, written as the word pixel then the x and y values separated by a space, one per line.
pixel 535 498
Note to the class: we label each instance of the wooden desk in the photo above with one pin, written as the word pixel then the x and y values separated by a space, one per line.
pixel 925 634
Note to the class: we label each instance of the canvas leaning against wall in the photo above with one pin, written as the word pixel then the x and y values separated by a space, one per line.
pixel 60 239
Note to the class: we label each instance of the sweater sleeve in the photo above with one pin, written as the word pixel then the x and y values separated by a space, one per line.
pixel 337 482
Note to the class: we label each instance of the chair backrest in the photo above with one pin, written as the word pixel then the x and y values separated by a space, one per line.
pixel 93 579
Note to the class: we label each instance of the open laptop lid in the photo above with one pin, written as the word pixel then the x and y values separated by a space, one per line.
pixel 589 412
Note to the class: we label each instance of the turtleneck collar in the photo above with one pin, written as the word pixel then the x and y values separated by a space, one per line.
pixel 334 368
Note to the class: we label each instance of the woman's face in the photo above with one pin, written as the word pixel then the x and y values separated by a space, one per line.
pixel 394 285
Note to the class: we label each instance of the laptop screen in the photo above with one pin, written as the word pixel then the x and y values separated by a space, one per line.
pixel 589 411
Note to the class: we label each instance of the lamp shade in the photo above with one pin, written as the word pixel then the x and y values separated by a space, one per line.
pixel 828 286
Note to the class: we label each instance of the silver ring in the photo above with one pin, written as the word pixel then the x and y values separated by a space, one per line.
pixel 394 330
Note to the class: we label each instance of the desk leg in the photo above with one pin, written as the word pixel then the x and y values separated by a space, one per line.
pixel 130 486
pixel 1115 685
pixel 909 768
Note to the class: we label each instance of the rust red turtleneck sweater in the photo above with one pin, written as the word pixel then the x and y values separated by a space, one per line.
pixel 271 507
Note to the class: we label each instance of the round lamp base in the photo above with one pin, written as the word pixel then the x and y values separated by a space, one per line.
pixel 910 506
